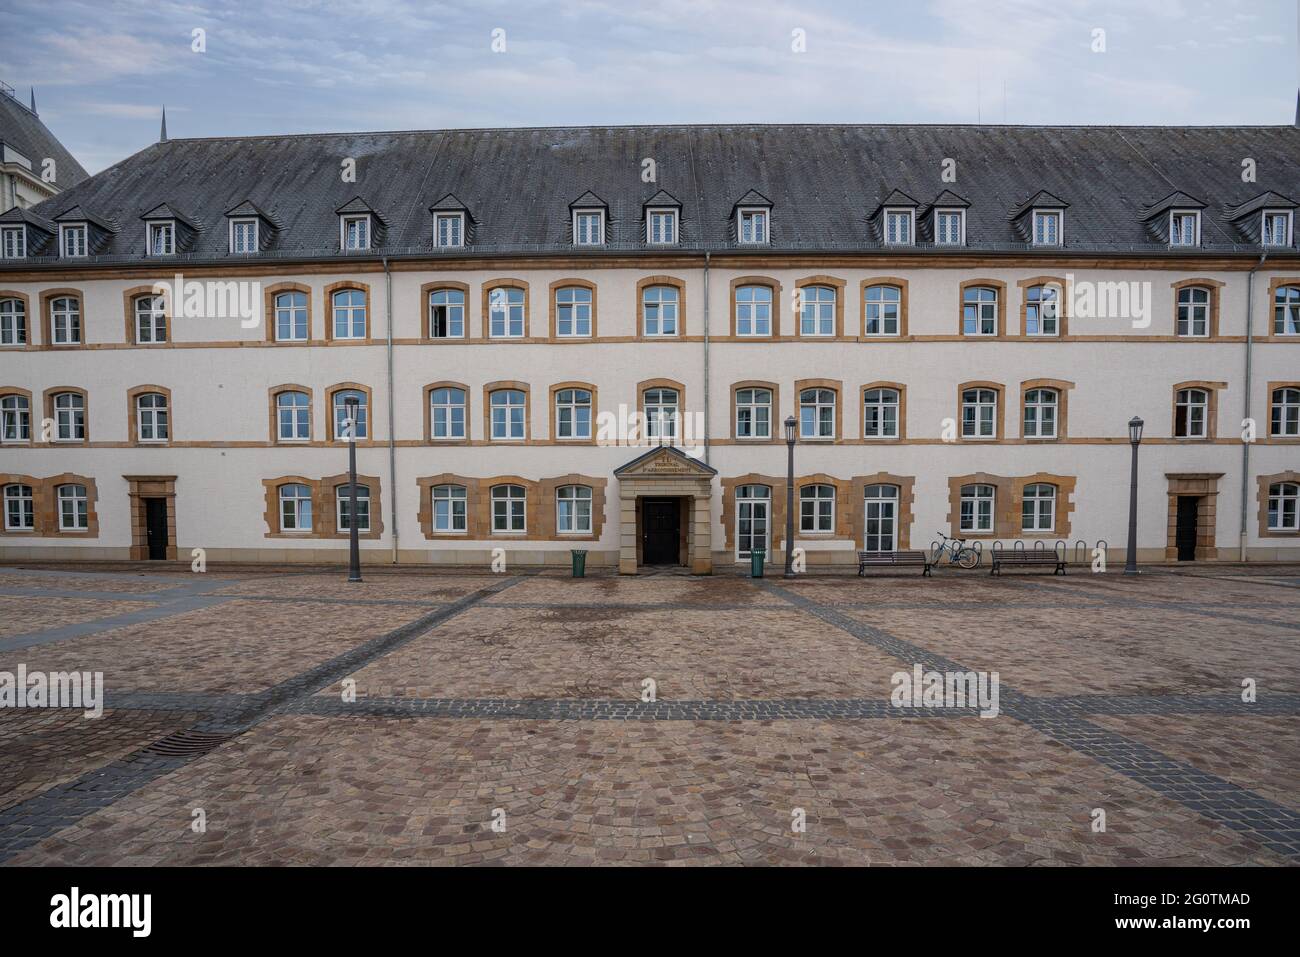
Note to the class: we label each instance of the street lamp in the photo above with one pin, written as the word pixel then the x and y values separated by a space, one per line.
pixel 790 425
pixel 351 403
pixel 1134 439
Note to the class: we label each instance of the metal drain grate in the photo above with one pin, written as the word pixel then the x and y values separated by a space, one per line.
pixel 187 742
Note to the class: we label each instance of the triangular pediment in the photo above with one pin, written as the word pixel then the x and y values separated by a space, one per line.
pixel 665 461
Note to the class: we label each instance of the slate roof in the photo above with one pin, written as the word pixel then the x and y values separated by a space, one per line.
pixel 23 130
pixel 823 182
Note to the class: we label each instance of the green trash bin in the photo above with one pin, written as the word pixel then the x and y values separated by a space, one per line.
pixel 579 556
pixel 756 563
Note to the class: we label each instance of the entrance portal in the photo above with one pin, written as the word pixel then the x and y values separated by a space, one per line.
pixel 155 510
pixel 661 531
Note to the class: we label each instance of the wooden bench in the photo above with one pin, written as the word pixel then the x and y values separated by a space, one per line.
pixel 1027 559
pixel 894 559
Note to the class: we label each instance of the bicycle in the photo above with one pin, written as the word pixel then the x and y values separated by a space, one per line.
pixel 958 552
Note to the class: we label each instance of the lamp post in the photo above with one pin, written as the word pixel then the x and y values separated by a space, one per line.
pixel 351 403
pixel 790 425
pixel 1134 439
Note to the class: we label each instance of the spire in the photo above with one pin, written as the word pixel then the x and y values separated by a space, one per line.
pixel 162 134
pixel 1297 106
pixel 34 113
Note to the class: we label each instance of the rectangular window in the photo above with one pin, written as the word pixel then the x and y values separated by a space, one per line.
pixel 752 226
pixel 949 228
pixel 13 242
pixel 1277 229
pixel 72 241
pixel 243 235
pixel 449 229
pixel 356 232
pixel 449 513
pixel 1184 229
pixel 661 227
pixel 162 239
pixel 898 227
pixel 589 228
pixel 1047 228
pixel 506 312
pixel 446 314
pixel 343 497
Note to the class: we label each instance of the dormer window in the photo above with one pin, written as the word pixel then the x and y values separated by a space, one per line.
pixel 1184 228
pixel 752 225
pixel 13 242
pixel 1047 227
pixel 355 232
pixel 898 227
pixel 661 227
pixel 589 227
pixel 950 227
pixel 72 240
pixel 243 235
pixel 449 229
pixel 1276 229
pixel 162 238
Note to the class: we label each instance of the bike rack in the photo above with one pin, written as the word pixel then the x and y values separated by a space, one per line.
pixel 1061 548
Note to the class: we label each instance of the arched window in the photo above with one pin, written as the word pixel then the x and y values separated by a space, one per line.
pixel 1038 508
pixel 817 508
pixel 817 414
pixel 508 508
pixel 573 414
pixel 446 314
pixel 1284 507
pixel 979 408
pixel 659 311
pixel 447 413
pixel 349 314
pixel 69 416
pixel 151 417
pixel 291 317
pixel 979 315
pixel 508 406
pixel 880 414
pixel 753 413
pixel 343 428
pixel 343 507
pixel 753 517
pixel 449 509
pixel 65 321
pixel 293 416
pixel 1041 310
pixel 976 508
pixel 1286 311
pixel 573 312
pixel 15 418
pixel 573 509
pixel 74 508
pixel 661 413
pixel 506 312
pixel 881 310
pixel 1040 413
pixel 1284 412
pixel 1191 413
pixel 20 512
pixel 1194 312
pixel 150 319
pixel 753 310
pixel 817 311
pixel 295 508
pixel 13 322
pixel 880 518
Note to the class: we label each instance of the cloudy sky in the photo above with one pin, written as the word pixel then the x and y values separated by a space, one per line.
pixel 103 68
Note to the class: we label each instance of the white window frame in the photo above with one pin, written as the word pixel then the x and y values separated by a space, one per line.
pixel 341 499
pixel 515 498
pixel 575 308
pixel 302 506
pixel 339 415
pixel 291 312
pixel 1034 494
pixel 13 322
pixel 880 405
pixel 1043 318
pixel 752 405
pixel 299 415
pixel 1190 403
pixel 70 417
pixel 823 519
pixel 1284 413
pixel 979 517
pixel 577 523
pixel 64 322
pixel 13 242
pixel 81 248
pixel 449 306
pixel 499 304
pixel 882 305
pixel 669 214
pixel 509 421
pixel 1264 233
pixel 662 415
pixel 576 430
pixel 908 216
pixel 659 304
pixel 80 502
pixel 156 417
pixel 884 497
pixel 155 316
pixel 817 405
pixel 451 494
pixel 1175 234
pixel 1197 312
pixel 1034 413
pixel 748 499
pixel 980 305
pixel 456 232
pixel 1288 310
pixel 443 414
pixel 15 417
pixel 754 305
pixel 580 236
pixel 812 300
pixel 961 226
pixel 26 500
pixel 235 224
pixel 979 404
pixel 344 221
pixel 160 229
pixel 349 309
pixel 754 214
pixel 1277 501
pixel 1047 214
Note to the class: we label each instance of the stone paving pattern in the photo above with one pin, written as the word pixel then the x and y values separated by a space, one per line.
pixel 482 694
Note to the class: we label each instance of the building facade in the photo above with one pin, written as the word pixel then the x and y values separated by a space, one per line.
pixel 34 165
pixel 592 338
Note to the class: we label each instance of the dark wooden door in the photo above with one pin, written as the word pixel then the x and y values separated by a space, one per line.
pixel 660 531
pixel 155 523
pixel 1185 535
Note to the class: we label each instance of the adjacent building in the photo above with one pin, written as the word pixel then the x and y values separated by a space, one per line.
pixel 34 165
pixel 594 337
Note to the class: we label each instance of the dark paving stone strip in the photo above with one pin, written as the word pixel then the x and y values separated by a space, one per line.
pixel 1275 826
pixel 44 814
pixel 1268 705
pixel 151 596
pixel 316 599
pixel 177 606
pixel 628 606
